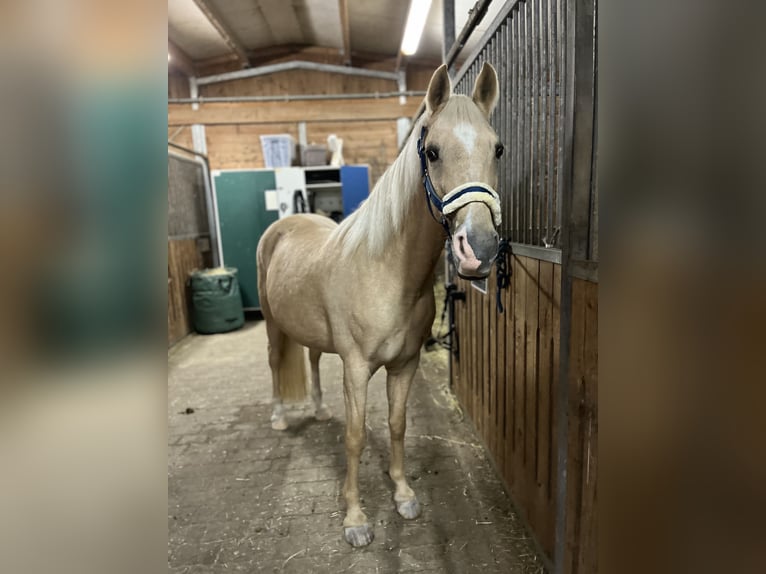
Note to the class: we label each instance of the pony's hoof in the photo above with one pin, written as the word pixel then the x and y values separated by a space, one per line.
pixel 323 414
pixel 358 536
pixel 408 509
pixel 279 424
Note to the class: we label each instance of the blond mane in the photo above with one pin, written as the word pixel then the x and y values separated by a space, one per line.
pixel 381 216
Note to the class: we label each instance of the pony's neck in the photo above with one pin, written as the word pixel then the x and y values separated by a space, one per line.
pixel 393 226
pixel 422 241
pixel 415 249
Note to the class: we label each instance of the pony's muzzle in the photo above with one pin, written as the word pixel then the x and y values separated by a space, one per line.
pixel 474 250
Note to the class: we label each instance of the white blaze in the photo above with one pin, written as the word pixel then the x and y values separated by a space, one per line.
pixel 467 136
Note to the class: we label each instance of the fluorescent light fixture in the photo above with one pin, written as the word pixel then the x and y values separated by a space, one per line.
pixel 416 21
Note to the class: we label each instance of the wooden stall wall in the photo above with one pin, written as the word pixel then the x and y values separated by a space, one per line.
pixel 188 239
pixel 582 470
pixel 183 257
pixel 368 127
pixel 505 376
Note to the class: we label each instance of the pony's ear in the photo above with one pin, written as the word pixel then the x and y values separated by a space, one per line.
pixel 439 89
pixel 486 89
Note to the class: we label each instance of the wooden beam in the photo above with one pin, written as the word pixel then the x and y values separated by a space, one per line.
pixel 290 112
pixel 288 52
pixel 448 16
pixel 214 17
pixel 345 30
pixel 180 61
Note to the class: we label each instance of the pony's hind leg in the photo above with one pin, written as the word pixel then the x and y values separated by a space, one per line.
pixel 277 340
pixel 398 387
pixel 356 528
pixel 322 413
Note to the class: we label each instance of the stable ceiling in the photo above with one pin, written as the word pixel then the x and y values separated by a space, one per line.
pixel 241 33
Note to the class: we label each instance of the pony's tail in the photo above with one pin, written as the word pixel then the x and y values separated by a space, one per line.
pixel 293 375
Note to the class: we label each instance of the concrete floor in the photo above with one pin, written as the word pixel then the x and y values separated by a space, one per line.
pixel 246 498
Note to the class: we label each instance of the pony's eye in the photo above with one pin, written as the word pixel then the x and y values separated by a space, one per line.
pixel 432 154
pixel 499 149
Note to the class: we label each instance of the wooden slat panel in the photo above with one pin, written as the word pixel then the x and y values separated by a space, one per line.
pixel 501 382
pixel 530 380
pixel 483 363
pixel 587 516
pixel 581 481
pixel 299 82
pixel 556 372
pixel 507 386
pixel 545 519
pixel 465 354
pixel 291 112
pixel 468 332
pixel 519 302
pixel 488 333
pixel 181 136
pixel 475 344
pixel 492 361
pixel 575 438
pixel 239 147
pixel 510 372
pixel 183 258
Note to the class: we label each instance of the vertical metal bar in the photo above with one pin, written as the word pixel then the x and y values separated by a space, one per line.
pixel 561 23
pixel 551 113
pixel 527 127
pixel 533 160
pixel 510 145
pixel 519 143
pixel 566 49
pixel 540 6
pixel 543 42
pixel 503 131
pixel 520 123
pixel 513 147
pixel 492 59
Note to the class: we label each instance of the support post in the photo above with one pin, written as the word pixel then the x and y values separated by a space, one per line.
pixel 448 16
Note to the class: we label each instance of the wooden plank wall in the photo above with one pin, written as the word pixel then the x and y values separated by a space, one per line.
pixel 582 468
pixel 506 378
pixel 183 258
pixel 237 146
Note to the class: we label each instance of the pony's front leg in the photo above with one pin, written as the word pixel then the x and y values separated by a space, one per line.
pixel 398 386
pixel 356 529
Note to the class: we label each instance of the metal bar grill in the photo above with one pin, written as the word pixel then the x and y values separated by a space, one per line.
pixel 527 45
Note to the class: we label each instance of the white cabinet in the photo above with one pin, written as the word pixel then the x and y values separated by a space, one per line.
pixel 291 190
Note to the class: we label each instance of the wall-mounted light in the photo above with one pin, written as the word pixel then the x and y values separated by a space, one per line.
pixel 416 21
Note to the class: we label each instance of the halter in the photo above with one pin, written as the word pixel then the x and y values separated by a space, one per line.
pixel 462 195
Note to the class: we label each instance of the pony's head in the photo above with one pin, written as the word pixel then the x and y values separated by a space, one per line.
pixel 459 151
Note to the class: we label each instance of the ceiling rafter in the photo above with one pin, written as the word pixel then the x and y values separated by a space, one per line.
pixel 214 17
pixel 345 31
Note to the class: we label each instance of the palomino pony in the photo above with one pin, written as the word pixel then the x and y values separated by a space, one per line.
pixel 364 289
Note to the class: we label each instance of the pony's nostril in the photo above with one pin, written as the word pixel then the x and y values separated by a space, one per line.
pixel 461 239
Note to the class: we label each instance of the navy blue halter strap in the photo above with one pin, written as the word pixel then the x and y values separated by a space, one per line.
pixel 432 198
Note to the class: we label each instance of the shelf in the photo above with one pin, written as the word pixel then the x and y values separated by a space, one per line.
pixel 323 185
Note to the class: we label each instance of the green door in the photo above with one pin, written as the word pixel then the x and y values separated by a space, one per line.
pixel 242 217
